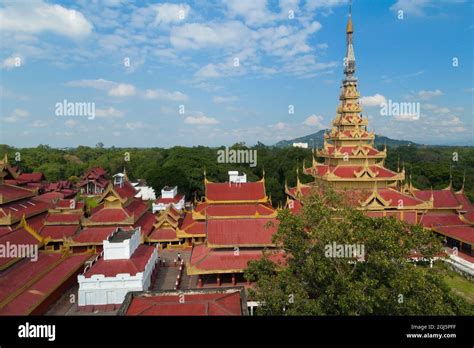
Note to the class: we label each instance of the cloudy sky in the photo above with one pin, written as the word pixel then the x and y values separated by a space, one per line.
pixel 219 72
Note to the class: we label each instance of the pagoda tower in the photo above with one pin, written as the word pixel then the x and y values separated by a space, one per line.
pixel 350 157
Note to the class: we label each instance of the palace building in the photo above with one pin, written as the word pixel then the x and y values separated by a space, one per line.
pixel 237 222
pixel 124 265
pixel 353 167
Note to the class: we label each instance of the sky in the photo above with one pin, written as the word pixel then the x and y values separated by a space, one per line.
pixel 188 73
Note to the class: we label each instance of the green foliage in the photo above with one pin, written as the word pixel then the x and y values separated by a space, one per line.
pixel 385 283
pixel 429 166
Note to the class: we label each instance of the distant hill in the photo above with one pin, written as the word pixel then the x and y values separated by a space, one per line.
pixel 318 139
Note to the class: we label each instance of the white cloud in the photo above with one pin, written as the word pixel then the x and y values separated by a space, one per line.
pixel 38 16
pixel 208 71
pixel 200 119
pixel 197 35
pixel 314 121
pixel 170 13
pixel 16 115
pixel 122 90
pixel 373 100
pixel 113 89
pixel 100 84
pixel 162 94
pixel 429 94
pixel 109 112
pixel 224 100
pixel 254 12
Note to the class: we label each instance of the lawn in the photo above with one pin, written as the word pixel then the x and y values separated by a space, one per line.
pixel 461 286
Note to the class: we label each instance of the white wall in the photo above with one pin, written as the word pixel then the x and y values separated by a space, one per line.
pixel 169 194
pixel 101 290
pixel 123 250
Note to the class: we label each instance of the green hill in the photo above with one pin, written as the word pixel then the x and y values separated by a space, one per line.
pixel 319 136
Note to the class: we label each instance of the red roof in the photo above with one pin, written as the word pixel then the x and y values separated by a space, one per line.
pixel 50 196
pixel 433 220
pixel 30 177
pixel 54 218
pixel 109 215
pixel 249 191
pixel 136 207
pixel 347 172
pixel 17 237
pixel 12 193
pixel 208 260
pixel 132 266
pixel 210 303
pixel 442 198
pixel 464 233
pixel 27 207
pixel 93 235
pixel 146 223
pixel 69 204
pixel 126 190
pixel 163 234
pixel 57 232
pixel 191 226
pixel 241 232
pixel 464 201
pixel 43 277
pixel 235 209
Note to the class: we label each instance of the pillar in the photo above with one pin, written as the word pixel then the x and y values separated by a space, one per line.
pixel 234 282
pixel 218 280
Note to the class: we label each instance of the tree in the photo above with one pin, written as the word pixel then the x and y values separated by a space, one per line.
pixel 167 176
pixel 311 281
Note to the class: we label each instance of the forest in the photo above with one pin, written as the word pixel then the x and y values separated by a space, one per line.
pixel 428 166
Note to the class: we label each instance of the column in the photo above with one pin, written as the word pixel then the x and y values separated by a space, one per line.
pixel 234 282
pixel 199 281
pixel 218 280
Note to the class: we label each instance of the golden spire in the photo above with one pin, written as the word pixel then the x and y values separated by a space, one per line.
pixel 463 182
pixel 349 28
pixel 450 186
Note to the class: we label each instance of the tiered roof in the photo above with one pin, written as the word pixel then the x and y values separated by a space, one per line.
pixel 354 168
pixel 231 216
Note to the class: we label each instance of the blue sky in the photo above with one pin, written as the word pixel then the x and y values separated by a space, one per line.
pixel 219 72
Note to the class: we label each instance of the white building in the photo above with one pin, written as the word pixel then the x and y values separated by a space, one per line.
pixel 302 145
pixel 146 193
pixel 124 265
pixel 236 177
pixel 169 196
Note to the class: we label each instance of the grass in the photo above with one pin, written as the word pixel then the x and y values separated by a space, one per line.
pixel 461 286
